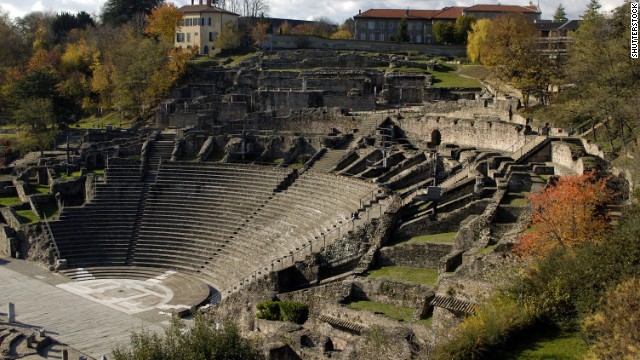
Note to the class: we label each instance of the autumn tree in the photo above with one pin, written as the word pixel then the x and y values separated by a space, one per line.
pixel 259 33
pixel 616 329
pixel 342 35
pixel 566 214
pixel 511 52
pixel 229 38
pixel 476 40
pixel 162 22
pixel 560 15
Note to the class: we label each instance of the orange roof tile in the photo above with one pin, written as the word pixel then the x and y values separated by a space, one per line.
pixel 450 12
pixel 502 8
pixel 398 14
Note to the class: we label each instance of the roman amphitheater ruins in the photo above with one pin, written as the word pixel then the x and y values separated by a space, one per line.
pixel 291 175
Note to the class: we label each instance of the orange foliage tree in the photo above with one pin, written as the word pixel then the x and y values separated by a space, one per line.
pixel 566 214
pixel 163 20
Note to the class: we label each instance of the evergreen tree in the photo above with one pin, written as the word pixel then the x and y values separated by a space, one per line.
pixel 560 15
pixel 593 10
pixel 402 35
pixel 117 12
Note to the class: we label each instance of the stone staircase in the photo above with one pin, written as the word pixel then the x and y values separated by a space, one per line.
pixel 137 222
pixel 529 148
pixel 329 160
pixel 160 149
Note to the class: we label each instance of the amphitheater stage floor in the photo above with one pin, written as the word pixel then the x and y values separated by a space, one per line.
pixel 91 316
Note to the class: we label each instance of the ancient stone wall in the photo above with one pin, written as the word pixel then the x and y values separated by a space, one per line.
pixel 392 292
pixel 561 154
pixel 498 135
pixel 313 42
pixel 414 255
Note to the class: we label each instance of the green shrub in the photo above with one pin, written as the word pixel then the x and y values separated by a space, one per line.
pixel 294 311
pixel 269 310
pixel 283 311
pixel 204 340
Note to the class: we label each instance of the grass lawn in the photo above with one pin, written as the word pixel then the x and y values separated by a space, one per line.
pixel 446 238
pixel 101 122
pixel 10 201
pixel 426 322
pixel 296 166
pixel 72 175
pixel 444 75
pixel 559 346
pixel 513 200
pixel 486 249
pixel 474 71
pixel 406 273
pixel 27 216
pixel 39 189
pixel 391 311
pixel 237 59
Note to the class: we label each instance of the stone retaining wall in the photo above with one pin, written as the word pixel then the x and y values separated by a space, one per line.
pixel 415 255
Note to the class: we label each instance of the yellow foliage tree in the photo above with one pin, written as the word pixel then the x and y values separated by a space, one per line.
pixel 476 39
pixel 259 33
pixel 342 35
pixel 616 329
pixel 162 22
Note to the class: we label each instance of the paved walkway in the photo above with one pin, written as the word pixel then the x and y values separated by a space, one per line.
pixel 87 326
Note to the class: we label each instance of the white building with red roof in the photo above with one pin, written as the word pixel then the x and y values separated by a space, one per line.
pixel 201 24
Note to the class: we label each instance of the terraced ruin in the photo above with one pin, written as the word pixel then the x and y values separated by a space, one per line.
pixel 371 195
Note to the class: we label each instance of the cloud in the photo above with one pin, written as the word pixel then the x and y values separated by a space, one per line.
pixel 337 11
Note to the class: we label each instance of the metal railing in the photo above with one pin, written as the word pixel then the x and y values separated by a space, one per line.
pixel 50 235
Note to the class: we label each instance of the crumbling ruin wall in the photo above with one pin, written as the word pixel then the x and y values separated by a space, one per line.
pixel 414 255
pixel 498 135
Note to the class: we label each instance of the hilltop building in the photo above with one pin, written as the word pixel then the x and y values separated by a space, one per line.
pixel 201 25
pixel 381 24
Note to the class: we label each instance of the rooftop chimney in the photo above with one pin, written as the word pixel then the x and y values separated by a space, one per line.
pixel 407 12
pixel 359 12
pixel 192 2
pixel 200 2
pixel 208 3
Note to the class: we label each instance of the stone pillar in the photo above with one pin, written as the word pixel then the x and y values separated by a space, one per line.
pixel 11 312
pixel 65 354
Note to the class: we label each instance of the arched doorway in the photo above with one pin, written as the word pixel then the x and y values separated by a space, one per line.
pixel 436 138
pixel 205 50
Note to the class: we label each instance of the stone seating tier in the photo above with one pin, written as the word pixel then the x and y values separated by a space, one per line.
pixel 223 222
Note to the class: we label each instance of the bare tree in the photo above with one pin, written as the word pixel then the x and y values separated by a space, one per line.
pixel 247 8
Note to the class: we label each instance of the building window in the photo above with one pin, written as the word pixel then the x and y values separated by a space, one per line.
pixel 381 37
pixel 372 37
pixel 383 25
pixel 391 26
pixel 371 24
pixel 188 37
pixel 410 26
pixel 180 37
pixel 363 36
pixel 209 22
pixel 419 38
pixel 213 36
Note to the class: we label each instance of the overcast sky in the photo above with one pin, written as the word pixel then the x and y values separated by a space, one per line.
pixel 337 11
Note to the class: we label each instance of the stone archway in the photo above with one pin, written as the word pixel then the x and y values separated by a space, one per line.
pixel 436 138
